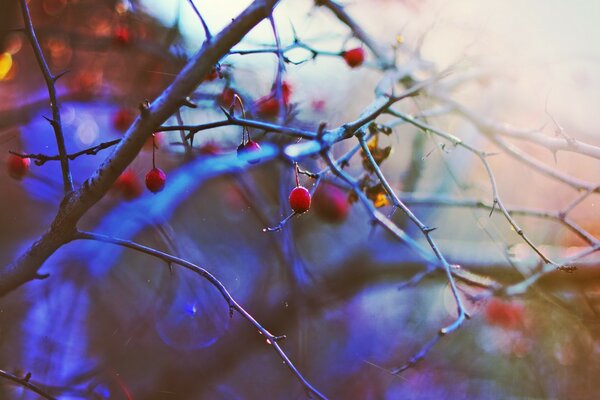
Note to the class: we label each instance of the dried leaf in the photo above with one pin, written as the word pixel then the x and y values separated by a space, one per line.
pixel 377 195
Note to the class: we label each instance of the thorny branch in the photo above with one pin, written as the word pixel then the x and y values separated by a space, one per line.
pixel 50 83
pixel 233 305
pixel 77 203
pixel 26 383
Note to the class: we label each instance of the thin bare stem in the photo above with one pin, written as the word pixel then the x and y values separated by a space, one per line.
pixel 50 80
pixel 343 16
pixel 495 193
pixel 233 305
pixel 280 72
pixel 41 159
pixel 202 21
pixel 25 382
pixel 461 311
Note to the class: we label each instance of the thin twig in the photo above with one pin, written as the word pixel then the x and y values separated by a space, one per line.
pixel 233 305
pixel 25 382
pixel 426 231
pixel 202 21
pixel 342 15
pixel 41 159
pixel 50 81
pixel 495 192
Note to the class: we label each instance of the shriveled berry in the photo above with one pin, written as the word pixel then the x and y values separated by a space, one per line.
pixel 354 57
pixel 300 199
pixel 155 180
pixel 17 166
pixel 248 148
pixel 331 203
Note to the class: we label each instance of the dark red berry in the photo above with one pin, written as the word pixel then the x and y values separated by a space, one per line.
pixel 128 185
pixel 122 35
pixel 331 203
pixel 300 199
pixel 354 57
pixel 248 148
pixel 123 119
pixel 155 180
pixel 17 166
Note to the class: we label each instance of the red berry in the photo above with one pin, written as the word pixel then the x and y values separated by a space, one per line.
pixel 17 166
pixel 331 203
pixel 354 57
pixel 248 148
pixel 300 199
pixel 504 314
pixel 268 106
pixel 155 180
pixel 122 35
pixel 128 185
pixel 123 119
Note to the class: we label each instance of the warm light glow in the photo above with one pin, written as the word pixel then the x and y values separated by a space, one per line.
pixel 5 64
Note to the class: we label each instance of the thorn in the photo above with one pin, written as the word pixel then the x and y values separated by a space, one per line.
pixel 188 103
pixel 278 338
pixel 321 129
pixel 486 155
pixel 227 113
pixel 27 377
pixel 60 75
pixel 428 229
pixel 493 208
pixel 144 108
pixel 231 310
pixel 294 33
pixel 41 276
pixel 51 121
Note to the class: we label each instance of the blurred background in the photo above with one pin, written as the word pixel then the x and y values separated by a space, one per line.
pixel 114 324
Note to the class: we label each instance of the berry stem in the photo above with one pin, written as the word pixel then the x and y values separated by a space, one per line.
pixel 245 131
pixel 153 150
pixel 296 171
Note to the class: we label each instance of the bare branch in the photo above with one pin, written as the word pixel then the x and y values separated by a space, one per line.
pixel 233 305
pixel 75 205
pixel 50 80
pixel 25 382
